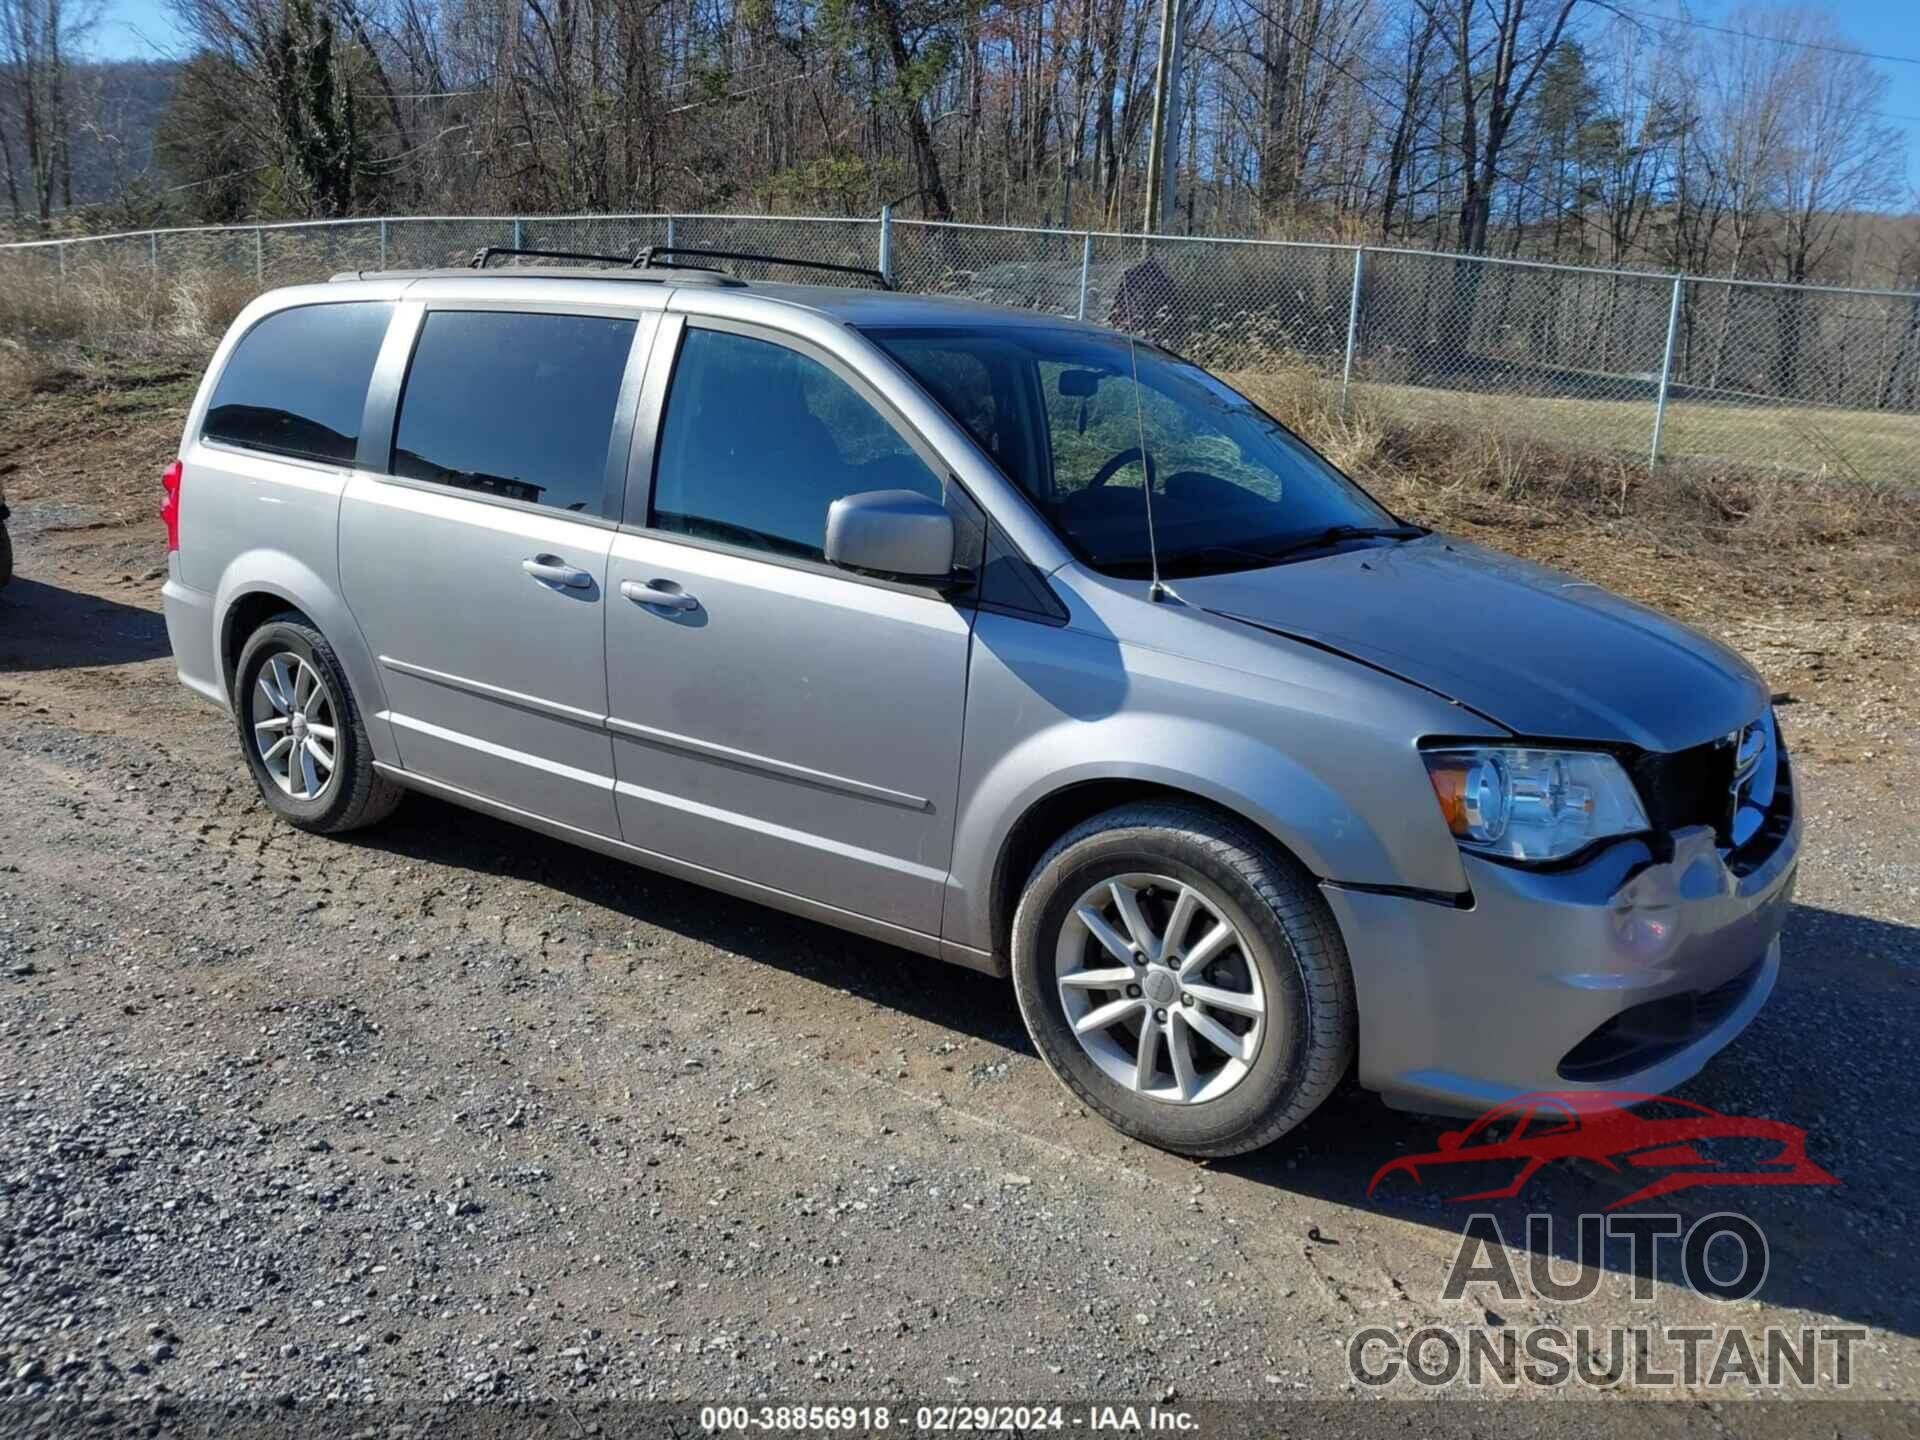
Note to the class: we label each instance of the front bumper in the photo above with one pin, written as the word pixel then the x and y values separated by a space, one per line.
pixel 1622 973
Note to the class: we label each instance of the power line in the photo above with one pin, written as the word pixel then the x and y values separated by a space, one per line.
pixel 1770 39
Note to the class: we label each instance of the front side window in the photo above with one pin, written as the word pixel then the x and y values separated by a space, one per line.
pixel 516 405
pixel 1232 487
pixel 297 382
pixel 759 440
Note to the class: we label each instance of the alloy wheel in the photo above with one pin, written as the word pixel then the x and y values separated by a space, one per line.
pixel 294 725
pixel 1159 989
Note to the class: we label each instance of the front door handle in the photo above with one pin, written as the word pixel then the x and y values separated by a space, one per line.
pixel 552 570
pixel 661 594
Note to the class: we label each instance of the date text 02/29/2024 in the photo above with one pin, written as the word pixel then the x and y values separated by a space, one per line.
pixel 945 1419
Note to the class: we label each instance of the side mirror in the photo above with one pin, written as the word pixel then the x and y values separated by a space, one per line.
pixel 896 533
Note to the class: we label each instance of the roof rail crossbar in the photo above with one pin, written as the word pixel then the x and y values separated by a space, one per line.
pixel 651 257
pixel 645 261
pixel 483 255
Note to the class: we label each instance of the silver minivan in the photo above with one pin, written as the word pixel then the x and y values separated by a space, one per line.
pixel 1004 638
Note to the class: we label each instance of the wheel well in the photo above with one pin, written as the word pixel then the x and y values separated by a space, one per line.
pixel 244 616
pixel 1052 817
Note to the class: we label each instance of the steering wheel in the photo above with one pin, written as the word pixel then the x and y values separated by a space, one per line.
pixel 1119 462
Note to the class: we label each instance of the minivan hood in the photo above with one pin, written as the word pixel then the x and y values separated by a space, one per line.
pixel 1537 651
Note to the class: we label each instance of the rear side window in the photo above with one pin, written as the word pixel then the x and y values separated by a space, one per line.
pixel 760 440
pixel 520 406
pixel 297 382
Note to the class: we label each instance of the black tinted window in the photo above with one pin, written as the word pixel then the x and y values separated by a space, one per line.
pixel 297 382
pixel 515 405
pixel 759 440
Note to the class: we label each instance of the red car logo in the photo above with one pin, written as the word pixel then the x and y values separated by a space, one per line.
pixel 1696 1147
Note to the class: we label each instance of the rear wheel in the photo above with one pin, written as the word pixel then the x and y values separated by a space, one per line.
pixel 1182 976
pixel 301 731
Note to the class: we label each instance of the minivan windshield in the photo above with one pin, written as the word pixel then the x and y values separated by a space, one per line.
pixel 1054 406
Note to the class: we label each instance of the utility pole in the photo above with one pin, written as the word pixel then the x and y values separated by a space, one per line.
pixel 1156 142
pixel 1170 132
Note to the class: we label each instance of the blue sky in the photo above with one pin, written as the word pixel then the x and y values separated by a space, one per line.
pixel 136 30
pixel 1886 27
pixel 132 29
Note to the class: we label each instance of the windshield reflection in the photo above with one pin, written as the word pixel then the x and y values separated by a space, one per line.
pixel 1059 411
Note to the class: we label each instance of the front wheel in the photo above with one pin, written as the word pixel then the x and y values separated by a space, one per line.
pixel 1182 976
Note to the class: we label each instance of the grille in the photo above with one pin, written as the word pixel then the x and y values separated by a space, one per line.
pixel 1688 787
pixel 1698 787
pixel 1773 807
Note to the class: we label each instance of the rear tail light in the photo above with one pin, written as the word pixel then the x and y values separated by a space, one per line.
pixel 170 504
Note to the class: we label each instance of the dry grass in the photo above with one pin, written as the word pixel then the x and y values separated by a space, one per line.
pixel 1875 446
pixel 111 314
pixel 1692 534
pixel 95 374
pixel 96 371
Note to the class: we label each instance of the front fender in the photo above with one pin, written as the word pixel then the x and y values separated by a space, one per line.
pixel 277 573
pixel 1326 761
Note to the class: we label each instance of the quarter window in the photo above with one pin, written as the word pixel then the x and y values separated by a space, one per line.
pixel 297 382
pixel 759 440
pixel 515 405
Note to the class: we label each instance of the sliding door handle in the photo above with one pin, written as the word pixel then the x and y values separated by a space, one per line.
pixel 552 570
pixel 661 594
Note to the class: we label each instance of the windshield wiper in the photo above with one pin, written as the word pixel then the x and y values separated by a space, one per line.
pixel 1215 552
pixel 1179 559
pixel 1335 534
pixel 1248 559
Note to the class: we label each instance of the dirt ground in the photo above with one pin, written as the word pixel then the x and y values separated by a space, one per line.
pixel 445 1109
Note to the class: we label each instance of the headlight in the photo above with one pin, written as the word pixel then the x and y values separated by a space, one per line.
pixel 1533 804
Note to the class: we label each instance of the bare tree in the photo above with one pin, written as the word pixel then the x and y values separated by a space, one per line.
pixel 1839 158
pixel 38 39
pixel 1531 128
pixel 1419 33
pixel 1500 50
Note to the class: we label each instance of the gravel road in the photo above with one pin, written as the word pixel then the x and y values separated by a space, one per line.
pixel 448 1110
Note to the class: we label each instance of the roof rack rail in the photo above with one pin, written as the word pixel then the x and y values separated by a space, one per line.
pixel 486 253
pixel 654 258
pixel 650 257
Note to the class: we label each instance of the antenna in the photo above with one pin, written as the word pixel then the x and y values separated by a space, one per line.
pixel 1158 590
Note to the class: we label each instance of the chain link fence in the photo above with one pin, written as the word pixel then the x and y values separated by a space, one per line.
pixel 1644 367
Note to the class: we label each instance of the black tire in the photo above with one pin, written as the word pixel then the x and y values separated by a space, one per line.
pixel 356 794
pixel 1289 936
pixel 6 554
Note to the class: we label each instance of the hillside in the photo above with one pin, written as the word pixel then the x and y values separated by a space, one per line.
pixel 120 103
